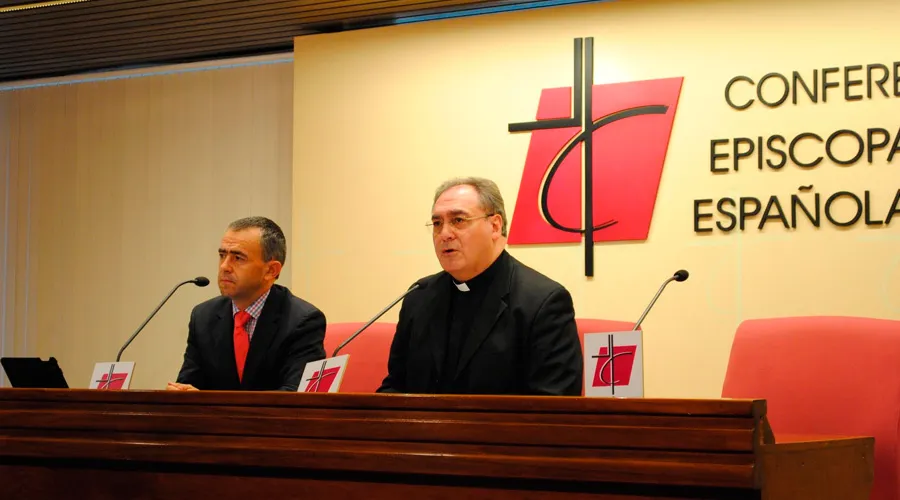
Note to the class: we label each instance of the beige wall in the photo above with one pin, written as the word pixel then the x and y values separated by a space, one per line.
pixel 122 187
pixel 382 116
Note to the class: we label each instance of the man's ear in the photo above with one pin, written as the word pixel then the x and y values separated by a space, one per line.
pixel 497 225
pixel 274 270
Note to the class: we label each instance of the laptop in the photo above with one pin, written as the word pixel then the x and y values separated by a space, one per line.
pixel 34 373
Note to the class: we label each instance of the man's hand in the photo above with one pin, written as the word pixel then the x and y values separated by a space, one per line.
pixel 175 386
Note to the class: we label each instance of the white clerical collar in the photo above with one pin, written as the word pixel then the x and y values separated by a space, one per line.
pixel 462 287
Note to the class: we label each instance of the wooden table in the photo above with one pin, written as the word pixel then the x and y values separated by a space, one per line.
pixel 222 445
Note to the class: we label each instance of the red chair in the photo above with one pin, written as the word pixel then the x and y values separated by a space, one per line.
pixel 599 326
pixel 368 352
pixel 826 375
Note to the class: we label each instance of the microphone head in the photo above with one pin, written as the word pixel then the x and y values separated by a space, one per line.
pixel 201 281
pixel 681 275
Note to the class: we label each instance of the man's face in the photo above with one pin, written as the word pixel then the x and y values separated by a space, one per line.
pixel 243 274
pixel 464 234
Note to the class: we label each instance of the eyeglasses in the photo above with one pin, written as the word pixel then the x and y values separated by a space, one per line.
pixel 457 223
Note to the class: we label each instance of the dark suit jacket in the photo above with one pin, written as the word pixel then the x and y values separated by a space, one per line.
pixel 289 333
pixel 523 339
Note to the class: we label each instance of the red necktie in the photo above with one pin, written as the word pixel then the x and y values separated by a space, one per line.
pixel 241 341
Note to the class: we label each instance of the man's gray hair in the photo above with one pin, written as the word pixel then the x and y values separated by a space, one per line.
pixel 488 193
pixel 274 245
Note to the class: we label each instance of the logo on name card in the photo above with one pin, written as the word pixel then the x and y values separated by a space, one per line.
pixel 324 375
pixel 613 364
pixel 112 376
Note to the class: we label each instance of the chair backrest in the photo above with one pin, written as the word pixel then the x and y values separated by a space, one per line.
pixel 825 375
pixel 599 326
pixel 367 365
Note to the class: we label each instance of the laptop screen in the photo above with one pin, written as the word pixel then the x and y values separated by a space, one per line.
pixel 34 373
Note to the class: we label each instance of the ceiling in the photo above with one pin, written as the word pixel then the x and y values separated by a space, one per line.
pixel 97 35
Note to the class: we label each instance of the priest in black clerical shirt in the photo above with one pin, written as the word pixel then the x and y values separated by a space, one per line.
pixel 486 324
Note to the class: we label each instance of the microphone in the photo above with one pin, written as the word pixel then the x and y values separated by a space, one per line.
pixel 679 275
pixel 199 281
pixel 417 284
pixel 321 371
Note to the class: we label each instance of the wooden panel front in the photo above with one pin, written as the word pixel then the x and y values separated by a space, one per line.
pixel 97 444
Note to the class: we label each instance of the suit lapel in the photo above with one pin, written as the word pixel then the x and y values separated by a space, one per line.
pixel 490 311
pixel 263 334
pixel 223 338
pixel 436 331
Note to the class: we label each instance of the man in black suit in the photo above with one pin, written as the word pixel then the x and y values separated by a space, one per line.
pixel 257 336
pixel 487 324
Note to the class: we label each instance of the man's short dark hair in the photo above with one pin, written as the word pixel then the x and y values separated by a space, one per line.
pixel 274 245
